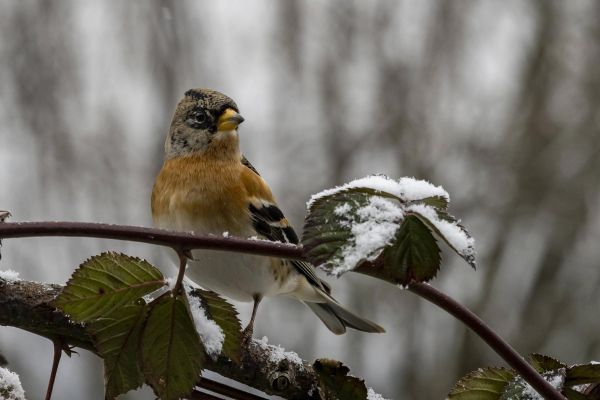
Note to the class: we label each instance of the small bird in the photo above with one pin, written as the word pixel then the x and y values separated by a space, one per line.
pixel 207 186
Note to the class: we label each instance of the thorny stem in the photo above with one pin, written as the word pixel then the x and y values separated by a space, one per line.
pixel 55 361
pixel 188 241
pixel 477 325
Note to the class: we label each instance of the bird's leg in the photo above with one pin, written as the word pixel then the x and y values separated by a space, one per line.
pixel 183 257
pixel 250 327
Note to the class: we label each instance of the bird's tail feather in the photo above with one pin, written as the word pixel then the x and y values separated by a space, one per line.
pixel 337 318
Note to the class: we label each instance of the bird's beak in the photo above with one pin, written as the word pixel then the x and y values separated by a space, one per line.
pixel 229 120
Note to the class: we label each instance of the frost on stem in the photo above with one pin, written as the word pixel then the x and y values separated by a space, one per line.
pixel 278 353
pixel 372 395
pixel 10 276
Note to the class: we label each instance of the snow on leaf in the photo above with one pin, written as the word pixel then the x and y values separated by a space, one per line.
pixel 405 189
pixel 366 218
pixel 447 228
pixel 217 323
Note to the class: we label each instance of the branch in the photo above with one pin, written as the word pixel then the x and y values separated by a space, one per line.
pixel 161 237
pixel 503 349
pixel 27 305
pixel 187 241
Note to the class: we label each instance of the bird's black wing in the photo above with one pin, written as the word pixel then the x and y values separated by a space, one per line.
pixel 250 166
pixel 269 222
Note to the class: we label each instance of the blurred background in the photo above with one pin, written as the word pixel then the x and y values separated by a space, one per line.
pixel 496 101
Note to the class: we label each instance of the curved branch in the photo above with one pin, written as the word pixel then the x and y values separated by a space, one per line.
pixel 27 305
pixel 503 349
pixel 187 241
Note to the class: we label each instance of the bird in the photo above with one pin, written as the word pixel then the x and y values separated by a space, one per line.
pixel 207 186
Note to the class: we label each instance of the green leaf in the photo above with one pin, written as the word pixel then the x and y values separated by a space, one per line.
pixel 543 363
pixel 414 254
pixel 106 282
pixel 580 374
pixel 117 338
pixel 521 390
pixel 333 377
pixel 325 231
pixel 224 315
pixel 483 384
pixel 441 203
pixel 469 253
pixel 172 352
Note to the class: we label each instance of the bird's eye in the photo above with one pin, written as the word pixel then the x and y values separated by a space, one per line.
pixel 197 119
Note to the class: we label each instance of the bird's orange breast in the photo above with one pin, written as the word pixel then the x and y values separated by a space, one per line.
pixel 205 195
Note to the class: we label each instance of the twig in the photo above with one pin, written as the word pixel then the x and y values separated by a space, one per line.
pixel 503 349
pixel 55 361
pixel 161 237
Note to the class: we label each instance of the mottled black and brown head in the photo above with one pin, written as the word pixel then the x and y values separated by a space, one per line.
pixel 202 119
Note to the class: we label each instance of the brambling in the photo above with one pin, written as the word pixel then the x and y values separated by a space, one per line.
pixel 207 186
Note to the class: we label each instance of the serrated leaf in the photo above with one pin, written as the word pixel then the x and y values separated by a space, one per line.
pixel 106 282
pixel 414 254
pixel 172 353
pixel 441 203
pixel 469 255
pixel 225 315
pixel 521 390
pixel 333 377
pixel 543 363
pixel 580 374
pixel 483 384
pixel 116 338
pixel 325 231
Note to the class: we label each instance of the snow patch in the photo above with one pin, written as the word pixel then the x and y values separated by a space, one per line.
pixel 372 395
pixel 278 353
pixel 454 234
pixel 10 276
pixel 10 386
pixel 407 189
pixel 373 227
pixel 211 334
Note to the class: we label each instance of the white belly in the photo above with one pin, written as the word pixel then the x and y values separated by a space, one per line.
pixel 235 275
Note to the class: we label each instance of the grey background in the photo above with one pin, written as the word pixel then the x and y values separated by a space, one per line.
pixel 496 101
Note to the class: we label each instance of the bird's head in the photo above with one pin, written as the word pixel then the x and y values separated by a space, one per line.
pixel 204 120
